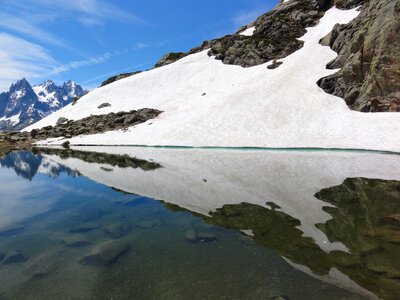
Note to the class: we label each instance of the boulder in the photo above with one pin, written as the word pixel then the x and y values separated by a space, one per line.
pixel 105 253
pixel 117 230
pixel 61 120
pixel 104 105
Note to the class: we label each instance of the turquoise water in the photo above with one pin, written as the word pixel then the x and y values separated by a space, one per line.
pixel 65 236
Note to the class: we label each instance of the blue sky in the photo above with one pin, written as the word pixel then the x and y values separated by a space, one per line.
pixel 90 40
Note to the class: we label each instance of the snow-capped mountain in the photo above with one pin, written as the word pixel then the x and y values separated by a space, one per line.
pixel 23 104
pixel 308 74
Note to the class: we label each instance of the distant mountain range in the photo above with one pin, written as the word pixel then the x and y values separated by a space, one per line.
pixel 24 104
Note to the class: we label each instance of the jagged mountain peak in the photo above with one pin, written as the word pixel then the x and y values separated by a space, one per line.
pixel 25 104
pixel 21 84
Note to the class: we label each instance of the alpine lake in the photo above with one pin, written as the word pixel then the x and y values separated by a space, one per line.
pixel 164 223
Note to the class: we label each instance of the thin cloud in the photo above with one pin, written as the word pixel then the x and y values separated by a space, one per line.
pixel 88 12
pixel 20 58
pixel 23 26
pixel 82 63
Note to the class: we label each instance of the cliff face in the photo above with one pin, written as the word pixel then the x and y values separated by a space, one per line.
pixel 369 58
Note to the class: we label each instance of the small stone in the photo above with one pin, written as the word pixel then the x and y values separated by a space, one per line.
pixel 204 94
pixel 14 257
pixel 104 105
pixel 105 254
pixel 275 64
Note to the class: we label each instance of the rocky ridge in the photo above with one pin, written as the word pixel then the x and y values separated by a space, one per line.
pixel 68 128
pixel 368 58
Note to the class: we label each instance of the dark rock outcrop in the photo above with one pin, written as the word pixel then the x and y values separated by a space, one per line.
pixel 276 33
pixel 368 55
pixel 169 58
pixel 118 77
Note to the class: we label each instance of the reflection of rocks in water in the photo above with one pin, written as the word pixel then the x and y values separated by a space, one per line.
pixel 274 230
pixel 365 219
pixel 106 253
pixel 122 161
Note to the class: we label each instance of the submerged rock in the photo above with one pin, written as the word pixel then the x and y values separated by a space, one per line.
pixel 117 230
pixel 14 257
pixel 75 240
pixel 146 223
pixel 193 236
pixel 206 237
pixel 105 254
pixel 85 227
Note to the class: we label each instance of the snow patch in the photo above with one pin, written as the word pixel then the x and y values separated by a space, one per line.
pixel 248 31
pixel 13 119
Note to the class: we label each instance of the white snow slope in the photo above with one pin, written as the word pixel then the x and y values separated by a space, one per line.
pixel 243 107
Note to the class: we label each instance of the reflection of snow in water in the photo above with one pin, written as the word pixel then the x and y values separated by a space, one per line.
pixel 337 278
pixel 288 179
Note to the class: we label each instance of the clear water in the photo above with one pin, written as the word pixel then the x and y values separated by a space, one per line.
pixel 185 224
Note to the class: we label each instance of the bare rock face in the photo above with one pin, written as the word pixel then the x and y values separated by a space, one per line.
pixel 369 58
pixel 118 77
pixel 169 58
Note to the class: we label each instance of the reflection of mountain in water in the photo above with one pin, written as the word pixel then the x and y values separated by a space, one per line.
pixel 350 225
pixel 27 164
